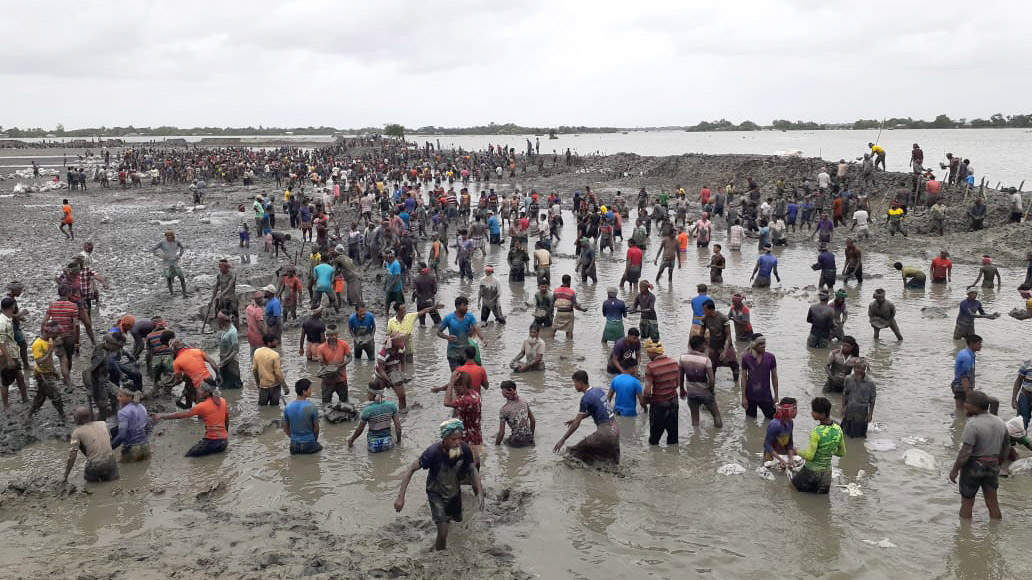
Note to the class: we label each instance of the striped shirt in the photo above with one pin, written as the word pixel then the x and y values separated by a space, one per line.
pixel 694 366
pixel 154 343
pixel 663 373
pixel 565 298
pixel 379 417
pixel 66 314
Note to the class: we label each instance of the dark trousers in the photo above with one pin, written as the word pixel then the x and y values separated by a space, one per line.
pixel 207 447
pixel 663 417
pixel 767 408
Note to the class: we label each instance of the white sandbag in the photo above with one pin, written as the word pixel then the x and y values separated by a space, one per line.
pixel 880 444
pixel 882 543
pixel 1016 427
pixel 731 469
pixel 919 458
pixel 1021 467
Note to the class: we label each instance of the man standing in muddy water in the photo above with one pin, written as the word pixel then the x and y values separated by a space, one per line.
pixel 223 295
pixel 170 250
pixel 450 462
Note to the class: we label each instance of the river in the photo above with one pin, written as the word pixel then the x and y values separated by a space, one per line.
pixel 666 513
pixel 999 155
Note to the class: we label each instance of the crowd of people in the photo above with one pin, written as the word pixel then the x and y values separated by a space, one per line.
pixel 390 207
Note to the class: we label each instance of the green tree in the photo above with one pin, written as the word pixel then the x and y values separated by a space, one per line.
pixel 748 126
pixel 943 122
pixel 394 130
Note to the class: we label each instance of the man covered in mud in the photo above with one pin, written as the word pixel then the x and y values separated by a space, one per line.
pixel 92 438
pixel 170 250
pixel 604 444
pixel 223 295
pixel 821 318
pixel 450 462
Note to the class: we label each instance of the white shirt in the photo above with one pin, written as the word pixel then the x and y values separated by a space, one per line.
pixel 861 217
pixel 823 179
pixel 1016 203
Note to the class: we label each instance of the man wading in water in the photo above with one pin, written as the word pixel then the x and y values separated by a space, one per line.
pixel 450 462
pixel 604 443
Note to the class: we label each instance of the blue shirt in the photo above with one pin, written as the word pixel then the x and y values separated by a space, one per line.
pixel 595 404
pixel 494 224
pixel 764 235
pixel 626 388
pixel 394 269
pixel 324 278
pixel 366 325
pixel 697 308
pixel 301 416
pixel 967 308
pixel 964 366
pixel 792 209
pixel 273 308
pixel 826 260
pixel 132 426
pixel 614 309
pixel 459 328
pixel 767 262
pixel 405 218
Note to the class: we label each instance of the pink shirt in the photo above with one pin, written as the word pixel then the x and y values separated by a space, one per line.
pixel 255 314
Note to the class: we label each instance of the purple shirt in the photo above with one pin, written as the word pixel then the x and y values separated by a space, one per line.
pixel 825 225
pixel 757 388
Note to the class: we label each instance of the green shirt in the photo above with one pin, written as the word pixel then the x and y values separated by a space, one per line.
pixel 825 441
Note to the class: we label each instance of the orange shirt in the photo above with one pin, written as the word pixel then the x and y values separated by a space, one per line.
pixel 476 373
pixel 190 362
pixel 335 356
pixel 214 416
pixel 682 241
pixel 67 209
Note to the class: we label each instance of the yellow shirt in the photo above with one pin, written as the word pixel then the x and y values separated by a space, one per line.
pixel 267 364
pixel 42 351
pixel 877 149
pixel 405 327
pixel 1028 305
pixel 896 212
pixel 286 196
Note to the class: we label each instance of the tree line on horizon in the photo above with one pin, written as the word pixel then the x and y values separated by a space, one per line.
pixel 997 120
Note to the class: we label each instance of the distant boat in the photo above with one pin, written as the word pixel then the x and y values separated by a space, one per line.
pixel 623 132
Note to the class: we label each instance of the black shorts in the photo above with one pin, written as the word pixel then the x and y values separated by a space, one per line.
pixel 811 481
pixel 9 376
pixel 977 475
pixel 445 510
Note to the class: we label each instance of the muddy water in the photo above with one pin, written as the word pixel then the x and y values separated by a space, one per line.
pixel 665 512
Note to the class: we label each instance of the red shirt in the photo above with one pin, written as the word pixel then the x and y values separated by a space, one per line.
pixel 634 256
pixel 664 373
pixel 477 374
pixel 940 268
pixel 66 314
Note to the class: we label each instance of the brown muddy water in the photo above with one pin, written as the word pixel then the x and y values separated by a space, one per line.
pixel 664 513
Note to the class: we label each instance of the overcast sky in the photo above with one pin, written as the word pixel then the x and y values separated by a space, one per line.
pixel 348 63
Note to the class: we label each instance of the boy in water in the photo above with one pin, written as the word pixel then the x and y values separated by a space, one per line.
pixel 826 440
pixel 778 444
